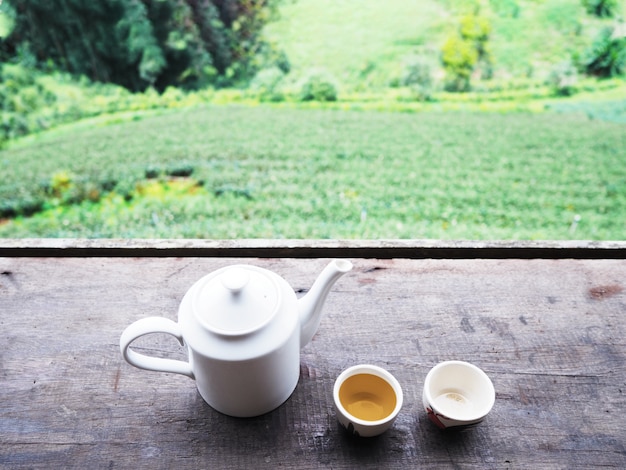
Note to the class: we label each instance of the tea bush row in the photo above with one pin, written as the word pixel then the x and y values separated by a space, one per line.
pixel 321 173
pixel 65 188
pixel 33 102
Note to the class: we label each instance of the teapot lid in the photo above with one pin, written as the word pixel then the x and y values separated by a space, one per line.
pixel 237 300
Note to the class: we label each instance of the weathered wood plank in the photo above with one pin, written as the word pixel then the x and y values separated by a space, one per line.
pixel 265 248
pixel 550 333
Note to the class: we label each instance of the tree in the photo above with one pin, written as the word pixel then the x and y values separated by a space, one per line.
pixel 466 49
pixel 459 58
pixel 601 8
pixel 607 55
pixel 142 43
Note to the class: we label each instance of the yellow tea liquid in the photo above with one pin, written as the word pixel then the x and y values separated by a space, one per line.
pixel 367 397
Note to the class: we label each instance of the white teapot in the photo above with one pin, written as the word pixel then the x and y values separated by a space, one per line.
pixel 243 327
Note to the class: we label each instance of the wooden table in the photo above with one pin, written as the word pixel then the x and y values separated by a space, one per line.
pixel 549 332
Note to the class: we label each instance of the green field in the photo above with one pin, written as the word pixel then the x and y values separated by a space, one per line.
pixel 267 172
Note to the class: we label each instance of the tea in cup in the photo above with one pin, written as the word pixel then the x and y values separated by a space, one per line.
pixel 457 394
pixel 367 400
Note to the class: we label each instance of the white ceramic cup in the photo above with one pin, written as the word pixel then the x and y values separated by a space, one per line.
pixel 367 400
pixel 457 394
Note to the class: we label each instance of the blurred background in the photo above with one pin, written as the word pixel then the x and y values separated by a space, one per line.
pixel 472 119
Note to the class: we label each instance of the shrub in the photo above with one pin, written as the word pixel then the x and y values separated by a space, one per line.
pixel 318 85
pixel 563 78
pixel 418 77
pixel 267 84
pixel 61 182
pixel 607 55
pixel 125 187
pixel 20 96
pixel 270 55
pixel 27 206
pixel 67 188
pixel 601 8
pixel 152 172
pixel 182 169
pixel 12 125
pixel 459 58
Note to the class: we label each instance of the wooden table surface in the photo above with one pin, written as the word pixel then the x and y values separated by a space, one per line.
pixel 549 332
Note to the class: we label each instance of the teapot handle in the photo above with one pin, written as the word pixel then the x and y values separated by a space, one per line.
pixel 147 326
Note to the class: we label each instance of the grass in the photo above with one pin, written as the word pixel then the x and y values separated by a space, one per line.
pixel 365 48
pixel 265 172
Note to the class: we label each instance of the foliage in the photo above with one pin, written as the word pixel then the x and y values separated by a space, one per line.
pixel 418 76
pixel 506 8
pixel 267 84
pixel 366 53
pixel 465 50
pixel 303 173
pixel 601 8
pixel 20 96
pixel 142 43
pixel 6 23
pixel 33 101
pixel 607 55
pixel 563 78
pixel 270 55
pixel 518 52
pixel 318 85
pixel 458 58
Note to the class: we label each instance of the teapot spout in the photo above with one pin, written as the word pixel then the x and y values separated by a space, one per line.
pixel 310 306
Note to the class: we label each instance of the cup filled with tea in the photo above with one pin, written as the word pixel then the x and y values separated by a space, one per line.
pixel 457 394
pixel 367 399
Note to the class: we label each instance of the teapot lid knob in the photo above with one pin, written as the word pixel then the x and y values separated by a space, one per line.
pixel 235 279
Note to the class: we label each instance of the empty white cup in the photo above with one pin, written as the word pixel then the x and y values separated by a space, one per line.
pixel 457 394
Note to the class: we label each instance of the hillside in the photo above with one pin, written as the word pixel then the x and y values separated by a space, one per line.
pixel 365 43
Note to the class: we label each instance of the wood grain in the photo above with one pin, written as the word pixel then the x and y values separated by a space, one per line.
pixel 550 333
